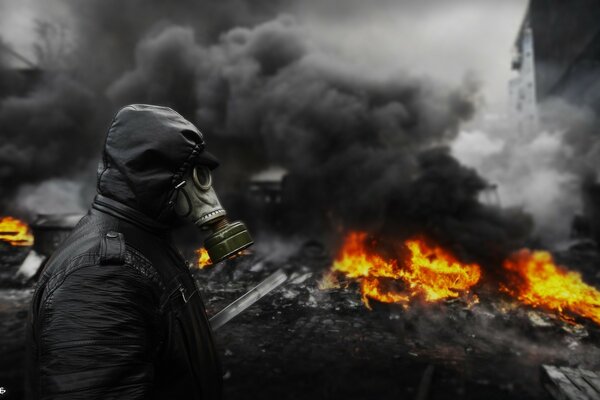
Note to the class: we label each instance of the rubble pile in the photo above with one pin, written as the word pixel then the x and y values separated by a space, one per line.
pixel 327 344
pixel 305 341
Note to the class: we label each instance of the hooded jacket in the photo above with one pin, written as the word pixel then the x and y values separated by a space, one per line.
pixel 116 312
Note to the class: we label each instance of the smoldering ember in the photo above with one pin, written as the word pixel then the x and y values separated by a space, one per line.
pixel 419 180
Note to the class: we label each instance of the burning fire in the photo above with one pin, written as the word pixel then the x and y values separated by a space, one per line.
pixel 433 274
pixel 15 232
pixel 203 258
pixel 536 280
pixel 427 271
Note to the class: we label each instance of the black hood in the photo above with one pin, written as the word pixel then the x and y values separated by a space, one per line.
pixel 147 152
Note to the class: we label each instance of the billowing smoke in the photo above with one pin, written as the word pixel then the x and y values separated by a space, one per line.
pixel 53 119
pixel 541 171
pixel 364 150
pixel 48 133
pixel 579 128
pixel 108 32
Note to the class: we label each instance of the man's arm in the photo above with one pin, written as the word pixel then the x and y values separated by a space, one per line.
pixel 98 334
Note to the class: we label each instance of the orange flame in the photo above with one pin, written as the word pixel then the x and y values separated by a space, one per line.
pixel 428 272
pixel 538 281
pixel 15 232
pixel 203 258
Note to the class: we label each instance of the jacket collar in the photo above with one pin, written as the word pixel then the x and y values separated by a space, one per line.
pixel 131 215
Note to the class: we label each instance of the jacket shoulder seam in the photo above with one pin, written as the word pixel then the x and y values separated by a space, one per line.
pixel 73 264
pixel 79 262
pixel 142 265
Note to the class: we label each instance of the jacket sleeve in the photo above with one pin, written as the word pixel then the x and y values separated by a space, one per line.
pixel 97 335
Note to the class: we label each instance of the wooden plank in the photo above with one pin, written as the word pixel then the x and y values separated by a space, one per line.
pixel 559 386
pixel 591 377
pixel 578 380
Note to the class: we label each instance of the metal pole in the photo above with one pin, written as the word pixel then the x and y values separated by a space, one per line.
pixel 231 311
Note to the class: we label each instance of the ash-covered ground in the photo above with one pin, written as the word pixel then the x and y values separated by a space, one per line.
pixel 303 342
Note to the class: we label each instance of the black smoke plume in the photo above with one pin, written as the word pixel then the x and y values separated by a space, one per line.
pixel 47 133
pixel 362 151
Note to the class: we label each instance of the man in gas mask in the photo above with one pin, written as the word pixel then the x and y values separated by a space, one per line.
pixel 116 313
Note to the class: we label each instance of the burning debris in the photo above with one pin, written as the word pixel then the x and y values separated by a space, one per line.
pixel 424 271
pixel 462 340
pixel 537 281
pixel 430 273
pixel 15 232
pixel 16 240
pixel 491 349
pixel 203 258
pixel 24 248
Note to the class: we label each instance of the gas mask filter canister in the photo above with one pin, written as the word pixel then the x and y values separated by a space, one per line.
pixel 197 202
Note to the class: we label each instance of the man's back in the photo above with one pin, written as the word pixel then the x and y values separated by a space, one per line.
pixel 116 313
pixel 106 322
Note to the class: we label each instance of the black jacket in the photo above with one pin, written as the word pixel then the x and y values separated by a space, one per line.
pixel 116 313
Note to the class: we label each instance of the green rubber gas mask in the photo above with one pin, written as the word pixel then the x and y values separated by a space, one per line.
pixel 198 203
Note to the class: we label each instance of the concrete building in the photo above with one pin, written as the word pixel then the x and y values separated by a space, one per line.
pixel 557 55
pixel 522 88
pixel 565 49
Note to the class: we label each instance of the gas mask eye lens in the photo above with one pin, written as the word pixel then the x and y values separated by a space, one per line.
pixel 199 204
pixel 202 177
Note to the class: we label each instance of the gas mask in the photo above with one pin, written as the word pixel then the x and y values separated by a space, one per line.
pixel 197 202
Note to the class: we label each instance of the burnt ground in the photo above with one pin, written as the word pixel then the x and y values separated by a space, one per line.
pixel 300 342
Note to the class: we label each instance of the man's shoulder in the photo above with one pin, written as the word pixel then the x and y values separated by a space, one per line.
pixel 95 254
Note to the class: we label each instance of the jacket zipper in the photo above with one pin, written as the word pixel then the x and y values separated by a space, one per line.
pixel 179 288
